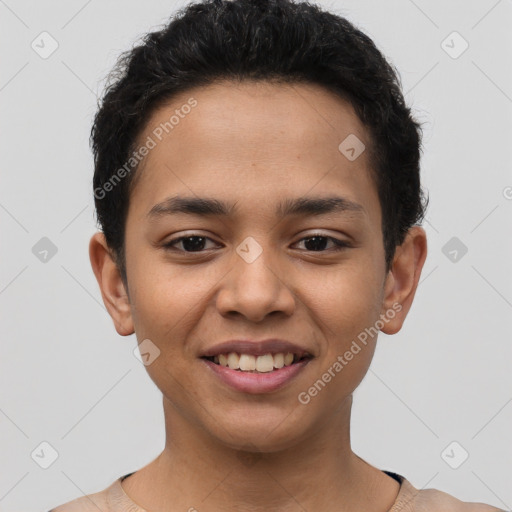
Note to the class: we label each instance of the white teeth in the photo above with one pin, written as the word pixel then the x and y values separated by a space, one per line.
pixel 233 361
pixel 247 362
pixel 265 363
pixel 250 363
pixel 278 360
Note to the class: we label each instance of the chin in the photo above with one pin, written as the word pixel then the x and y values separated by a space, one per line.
pixel 268 435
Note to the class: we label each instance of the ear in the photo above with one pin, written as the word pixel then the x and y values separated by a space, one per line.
pixel 112 288
pixel 403 277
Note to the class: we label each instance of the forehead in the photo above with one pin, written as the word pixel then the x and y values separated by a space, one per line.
pixel 254 142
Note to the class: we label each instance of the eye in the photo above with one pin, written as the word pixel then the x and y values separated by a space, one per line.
pixel 317 242
pixel 190 243
pixel 196 243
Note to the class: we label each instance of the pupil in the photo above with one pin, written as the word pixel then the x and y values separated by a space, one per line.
pixel 194 243
pixel 314 241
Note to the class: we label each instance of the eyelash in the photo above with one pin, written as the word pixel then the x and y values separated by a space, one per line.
pixel 339 245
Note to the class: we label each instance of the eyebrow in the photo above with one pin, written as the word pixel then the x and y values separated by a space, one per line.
pixel 213 207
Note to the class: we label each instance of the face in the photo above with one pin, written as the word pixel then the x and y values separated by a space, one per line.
pixel 285 244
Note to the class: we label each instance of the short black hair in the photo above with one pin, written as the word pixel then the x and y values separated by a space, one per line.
pixel 271 40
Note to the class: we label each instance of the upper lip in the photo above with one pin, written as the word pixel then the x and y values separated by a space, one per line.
pixel 256 348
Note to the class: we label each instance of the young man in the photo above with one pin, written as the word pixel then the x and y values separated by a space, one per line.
pixel 257 184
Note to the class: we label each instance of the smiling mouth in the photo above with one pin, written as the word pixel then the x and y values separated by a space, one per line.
pixel 248 363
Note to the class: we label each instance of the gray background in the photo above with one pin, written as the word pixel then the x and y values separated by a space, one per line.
pixel 68 379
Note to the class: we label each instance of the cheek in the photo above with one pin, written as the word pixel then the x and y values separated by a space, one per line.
pixel 168 300
pixel 348 300
pixel 347 306
pixel 165 309
pixel 348 348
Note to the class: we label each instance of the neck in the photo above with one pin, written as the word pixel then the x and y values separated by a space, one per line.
pixel 316 472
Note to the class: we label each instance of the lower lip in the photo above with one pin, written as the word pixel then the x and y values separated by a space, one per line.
pixel 257 382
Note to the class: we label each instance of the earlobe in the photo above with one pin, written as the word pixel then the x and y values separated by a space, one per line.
pixel 112 288
pixel 403 278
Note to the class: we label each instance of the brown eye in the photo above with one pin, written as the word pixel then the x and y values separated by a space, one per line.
pixel 191 243
pixel 318 243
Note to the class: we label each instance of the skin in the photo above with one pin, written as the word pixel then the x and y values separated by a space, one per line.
pixel 254 144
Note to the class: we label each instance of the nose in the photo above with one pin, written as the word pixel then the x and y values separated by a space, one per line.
pixel 255 289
